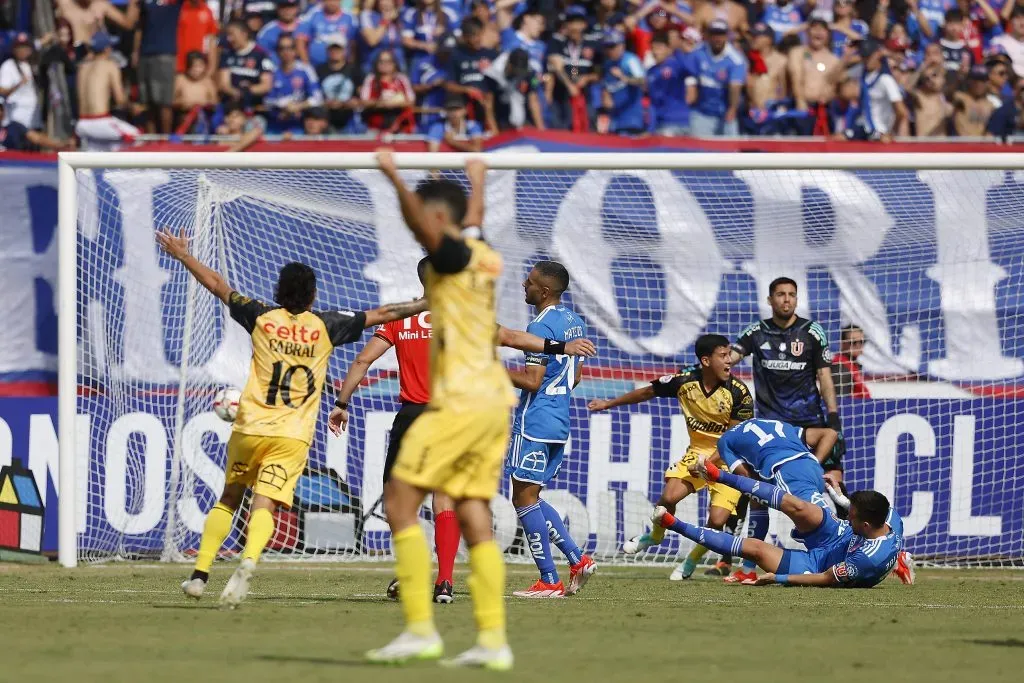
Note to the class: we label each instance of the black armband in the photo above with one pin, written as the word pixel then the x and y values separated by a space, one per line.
pixel 341 404
pixel 833 422
pixel 554 348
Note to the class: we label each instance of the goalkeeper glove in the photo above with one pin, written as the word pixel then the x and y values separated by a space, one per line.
pixel 839 449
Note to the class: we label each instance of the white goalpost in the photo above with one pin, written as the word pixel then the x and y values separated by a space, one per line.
pixel 923 252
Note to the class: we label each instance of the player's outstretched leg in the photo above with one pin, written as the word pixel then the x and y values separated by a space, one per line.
pixel 257 535
pixel 675 490
pixel 581 567
pixel 420 639
pixel 764 554
pixel 446 543
pixel 215 529
pixel 717 517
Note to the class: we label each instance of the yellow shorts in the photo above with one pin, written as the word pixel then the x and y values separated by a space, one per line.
pixel 721 496
pixel 459 453
pixel 269 465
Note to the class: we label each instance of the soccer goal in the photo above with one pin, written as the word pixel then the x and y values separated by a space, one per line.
pixel 922 253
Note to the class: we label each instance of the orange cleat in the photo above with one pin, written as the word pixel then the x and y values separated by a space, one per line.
pixel 579 574
pixel 542 590
pixel 740 577
pixel 904 570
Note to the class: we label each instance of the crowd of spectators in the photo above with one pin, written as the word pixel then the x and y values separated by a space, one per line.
pixel 457 70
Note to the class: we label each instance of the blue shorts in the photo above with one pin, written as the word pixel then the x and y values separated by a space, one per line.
pixel 804 479
pixel 826 545
pixel 534 462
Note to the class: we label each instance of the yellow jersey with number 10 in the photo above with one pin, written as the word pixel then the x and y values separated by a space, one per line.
pixel 465 371
pixel 289 365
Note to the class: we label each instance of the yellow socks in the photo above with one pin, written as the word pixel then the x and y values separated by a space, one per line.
pixel 487 588
pixel 657 533
pixel 215 530
pixel 697 554
pixel 413 568
pixel 257 536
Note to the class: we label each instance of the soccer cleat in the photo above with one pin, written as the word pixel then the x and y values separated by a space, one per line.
pixel 739 577
pixel 707 470
pixel 407 647
pixel 392 591
pixel 905 568
pixel 638 544
pixel 542 590
pixel 579 574
pixel 238 585
pixel 193 588
pixel 720 569
pixel 683 571
pixel 479 657
pixel 444 594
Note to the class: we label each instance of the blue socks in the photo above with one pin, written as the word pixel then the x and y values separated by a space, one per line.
pixel 536 528
pixel 761 491
pixel 757 528
pixel 559 535
pixel 720 541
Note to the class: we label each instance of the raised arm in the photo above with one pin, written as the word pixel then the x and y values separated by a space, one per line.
pixel 177 248
pixel 644 393
pixel 476 171
pixel 412 208
pixel 337 422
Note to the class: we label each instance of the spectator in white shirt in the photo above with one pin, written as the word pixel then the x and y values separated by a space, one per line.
pixel 883 112
pixel 18 84
pixel 1013 42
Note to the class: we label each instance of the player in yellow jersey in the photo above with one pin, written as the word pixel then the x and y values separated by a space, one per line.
pixel 457 445
pixel 712 400
pixel 277 412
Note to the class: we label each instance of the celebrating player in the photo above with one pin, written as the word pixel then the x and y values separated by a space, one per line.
pixel 269 442
pixel 711 400
pixel 791 359
pixel 540 430
pixel 456 445
pixel 857 553
pixel 411 339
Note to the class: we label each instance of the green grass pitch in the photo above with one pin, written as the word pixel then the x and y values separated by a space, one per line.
pixel 125 622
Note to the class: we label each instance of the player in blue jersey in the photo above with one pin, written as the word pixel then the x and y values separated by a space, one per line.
pixel 778 452
pixel 858 553
pixel 540 430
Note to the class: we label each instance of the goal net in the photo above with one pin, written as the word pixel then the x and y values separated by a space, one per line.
pixel 923 256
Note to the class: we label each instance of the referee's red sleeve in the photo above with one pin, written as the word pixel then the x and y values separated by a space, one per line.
pixel 386 333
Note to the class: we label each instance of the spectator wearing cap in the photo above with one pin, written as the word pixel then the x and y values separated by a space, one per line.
pixel 666 88
pixel 721 75
pixel 814 70
pixel 732 13
pixel 386 93
pixel 380 29
pixel 423 26
pixel 194 91
pixel 883 112
pixel 15 137
pixel 322 24
pixel 572 62
pixel 1000 72
pixel 466 67
pixel 99 91
pixel 925 19
pixel 18 84
pixel 526 34
pixel 246 71
pixel 89 16
pixel 928 102
pixel 767 84
pixel 972 108
pixel 513 101
pixel 846 27
pixel 197 32
pixel 455 130
pixel 286 22
pixel 295 89
pixel 786 17
pixel 1013 41
pixel 689 40
pixel 338 79
pixel 622 86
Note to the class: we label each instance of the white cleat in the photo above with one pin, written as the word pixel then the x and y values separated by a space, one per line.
pixel 657 514
pixel 479 657
pixel 408 647
pixel 238 585
pixel 638 544
pixel 193 588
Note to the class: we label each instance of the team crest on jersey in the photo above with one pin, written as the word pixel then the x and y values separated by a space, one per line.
pixel 796 347
pixel 845 570
pixel 782 346
pixel 666 72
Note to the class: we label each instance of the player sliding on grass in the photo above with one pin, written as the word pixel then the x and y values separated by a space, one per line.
pixel 270 439
pixel 711 400
pixel 540 430
pixel 858 553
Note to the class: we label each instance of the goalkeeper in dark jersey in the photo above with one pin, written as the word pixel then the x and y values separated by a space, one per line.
pixel 792 379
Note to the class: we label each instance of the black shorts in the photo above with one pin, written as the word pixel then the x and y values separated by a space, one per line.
pixel 407 414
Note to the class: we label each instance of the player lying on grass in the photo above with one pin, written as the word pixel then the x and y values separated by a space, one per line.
pixel 540 430
pixel 411 341
pixel 277 411
pixel 711 400
pixel 856 553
